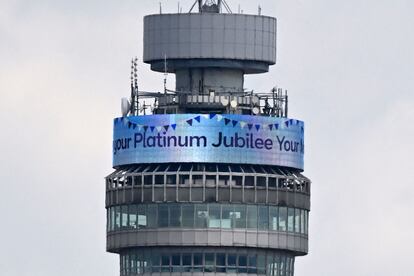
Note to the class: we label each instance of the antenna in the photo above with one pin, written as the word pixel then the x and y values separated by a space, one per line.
pixel 134 87
pixel 160 8
pixel 165 74
pixel 260 10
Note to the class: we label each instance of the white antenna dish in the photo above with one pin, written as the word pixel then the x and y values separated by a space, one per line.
pixel 125 106
pixel 233 103
pixel 256 110
pixel 224 101
pixel 255 100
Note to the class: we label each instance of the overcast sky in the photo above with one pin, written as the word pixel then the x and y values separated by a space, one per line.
pixel 348 65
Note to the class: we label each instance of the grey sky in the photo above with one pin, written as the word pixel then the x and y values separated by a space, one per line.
pixel 64 65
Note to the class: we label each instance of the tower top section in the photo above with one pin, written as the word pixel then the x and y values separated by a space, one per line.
pixel 210 39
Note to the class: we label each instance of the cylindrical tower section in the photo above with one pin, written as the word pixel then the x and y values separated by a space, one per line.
pixel 205 50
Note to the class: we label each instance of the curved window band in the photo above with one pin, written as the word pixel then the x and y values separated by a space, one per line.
pixel 136 262
pixel 203 216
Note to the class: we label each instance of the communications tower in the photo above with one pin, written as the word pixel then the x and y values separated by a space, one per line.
pixel 208 176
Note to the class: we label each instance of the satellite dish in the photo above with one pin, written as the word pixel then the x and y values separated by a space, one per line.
pixel 233 103
pixel 255 100
pixel 224 101
pixel 256 110
pixel 125 106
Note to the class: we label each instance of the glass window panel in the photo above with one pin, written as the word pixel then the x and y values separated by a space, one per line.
pixel 155 261
pixel 261 264
pixel 224 180
pixel 152 215
pixel 159 179
pixel 124 216
pixel 270 265
pixel 132 213
pixel 231 260
pixel 242 265
pixel 209 262
pixel 252 265
pixel 249 181
pixel 187 260
pixel 276 266
pixel 263 218
pixel 273 218
pixel 227 211
pixel 239 216
pixel 142 217
pixel 214 216
pixel 252 216
pixel 132 263
pixel 198 262
pixel 272 182
pixel 137 180
pixel 282 266
pixel 165 263
pixel 201 216
pixel 297 220
pixel 221 259
pixel 302 221
pixel 282 218
pixel 197 180
pixel 147 261
pixel 291 214
pixel 175 215
pixel 175 262
pixel 306 222
pixel 261 181
pixel 184 179
pixel 148 180
pixel 198 259
pixel 188 215
pixel 171 179
pixel 211 180
pixel 117 217
pixel 238 180
pixel 112 225
pixel 162 215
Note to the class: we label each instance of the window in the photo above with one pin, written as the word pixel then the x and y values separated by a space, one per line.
pixel 175 215
pixel 221 262
pixel 209 262
pixel 231 263
pixel 188 215
pixel 263 218
pixel 290 224
pixel 152 215
pixel 198 262
pixel 165 263
pixel 142 217
pixel 187 262
pixel 297 220
pixel 242 266
pixel 252 216
pixel 282 218
pixel 226 219
pixel 239 216
pixel 162 215
pixel 214 216
pixel 175 262
pixel 117 217
pixel 261 181
pixel 273 218
pixel 124 216
pixel 132 216
pixel 201 216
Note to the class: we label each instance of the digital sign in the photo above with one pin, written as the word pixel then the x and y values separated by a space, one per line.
pixel 208 138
